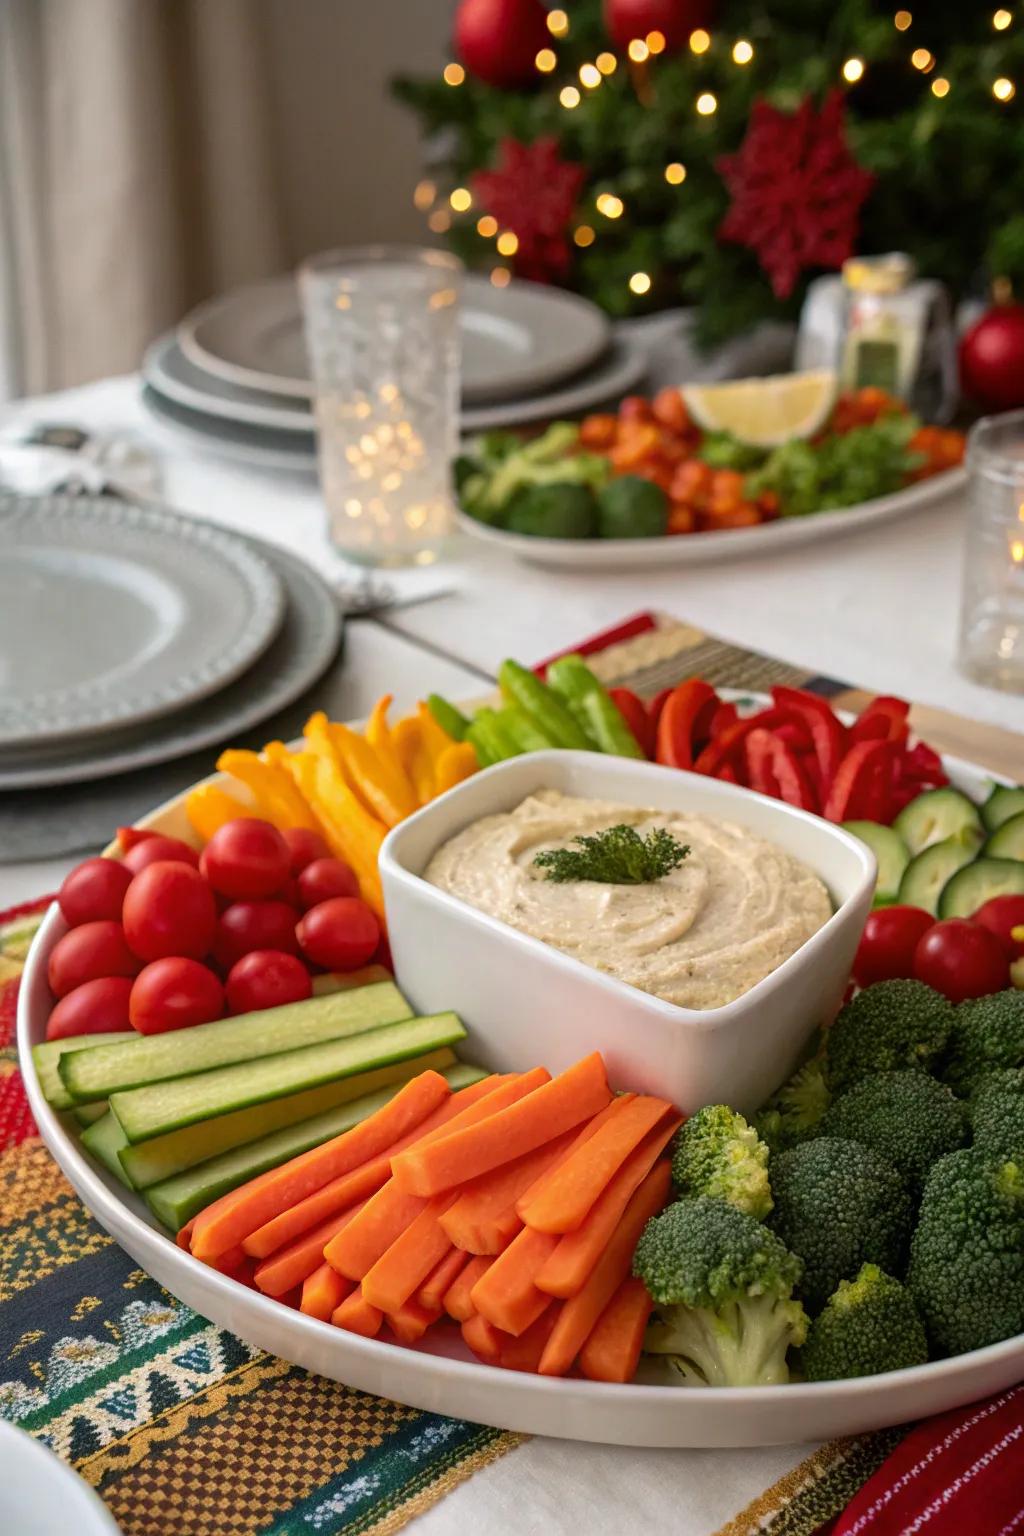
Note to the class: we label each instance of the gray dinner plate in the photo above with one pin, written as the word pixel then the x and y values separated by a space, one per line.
pixel 113 614
pixel 515 340
pixel 299 654
pixel 252 447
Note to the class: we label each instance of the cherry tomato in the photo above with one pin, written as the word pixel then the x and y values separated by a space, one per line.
pixel 1001 915
pixel 95 1006
pixel 93 891
pixel 87 953
pixel 164 850
pixel 323 879
pixel 249 925
pixel 170 910
pixel 246 858
pixel 266 978
pixel 888 943
pixel 341 933
pixel 127 837
pixel 961 959
pixel 304 845
pixel 174 993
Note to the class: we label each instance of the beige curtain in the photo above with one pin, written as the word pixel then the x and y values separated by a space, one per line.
pixel 137 175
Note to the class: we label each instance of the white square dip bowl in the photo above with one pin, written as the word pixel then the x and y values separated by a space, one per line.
pixel 527 1004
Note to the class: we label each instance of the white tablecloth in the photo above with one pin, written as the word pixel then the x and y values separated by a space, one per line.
pixel 878 609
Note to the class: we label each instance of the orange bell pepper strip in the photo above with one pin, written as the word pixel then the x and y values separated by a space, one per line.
pixel 415 758
pixel 435 738
pixel 455 763
pixel 271 787
pixel 378 780
pixel 378 733
pixel 208 808
pixel 352 834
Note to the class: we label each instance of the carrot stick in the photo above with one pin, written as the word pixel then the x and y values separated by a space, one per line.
pixel 323 1292
pixel 506 1295
pixel 392 1209
pixel 399 1271
pixel 184 1237
pixel 575 1095
pixel 577 1252
pixel 483 1339
pixel 578 1316
pixel 474 1222
pixel 411 1321
pixel 612 1351
pixel 432 1292
pixel 569 1193
pixel 235 1263
pixel 231 1218
pixel 456 1298
pixel 348 1188
pixel 356 1315
pixel 290 1265
pixel 523 1354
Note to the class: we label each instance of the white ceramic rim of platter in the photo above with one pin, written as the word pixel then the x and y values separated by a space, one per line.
pixel 39 1477
pixel 726 544
pixel 636 1414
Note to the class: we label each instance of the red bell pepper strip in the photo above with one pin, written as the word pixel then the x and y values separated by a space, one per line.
pixel 862 789
pixel 724 716
pixel 727 773
pixel 724 748
pixel 827 734
pixel 685 719
pixel 776 770
pixel 885 719
pixel 634 712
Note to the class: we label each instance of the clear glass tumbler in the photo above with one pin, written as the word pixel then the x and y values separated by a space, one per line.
pixel 382 331
pixel 992 612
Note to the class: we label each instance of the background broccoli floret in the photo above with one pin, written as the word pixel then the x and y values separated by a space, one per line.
pixel 718 1154
pixel 869 1325
pixel 794 1111
pixel 967 1256
pixel 839 1205
pixel 722 1287
pixel 891 1025
pixel 987 1033
pixel 997 1113
pixel 906 1116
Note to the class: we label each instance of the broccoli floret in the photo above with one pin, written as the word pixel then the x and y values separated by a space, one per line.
pixel 839 1205
pixel 906 1116
pixel 722 1286
pixel 794 1112
pixel 718 1154
pixel 987 1033
pixel 891 1025
pixel 869 1325
pixel 997 1112
pixel 967 1256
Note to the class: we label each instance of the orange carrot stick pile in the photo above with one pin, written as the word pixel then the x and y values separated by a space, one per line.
pixel 512 1207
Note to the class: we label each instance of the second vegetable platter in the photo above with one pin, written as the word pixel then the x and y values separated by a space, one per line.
pixel 439 1374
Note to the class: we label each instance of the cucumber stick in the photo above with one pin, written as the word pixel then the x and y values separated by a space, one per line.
pixel 891 853
pixel 176 1200
pixel 47 1055
pixel 1007 841
pixel 88 1114
pixel 936 816
pixel 926 876
pixel 166 1106
pixel 163 1156
pixel 104 1140
pixel 1004 801
pixel 148 1059
pixel 969 888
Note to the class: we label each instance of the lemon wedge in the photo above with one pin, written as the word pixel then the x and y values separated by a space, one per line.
pixel 764 412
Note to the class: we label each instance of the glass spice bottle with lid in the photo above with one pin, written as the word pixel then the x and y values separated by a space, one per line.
pixel 884 324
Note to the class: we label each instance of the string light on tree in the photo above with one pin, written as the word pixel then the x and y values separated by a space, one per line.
pixel 508 243
pixel 700 41
pixel 940 86
pixel 901 21
pixel 640 282
pixel 675 173
pixel 461 200
pixel 439 221
pixel 546 60
pixel 611 206
pixel 853 69
pixel 742 51
pixel 454 74
pixel 487 226
pixel 638 51
pixel 583 236
pixel 558 24
pixel 590 76
pixel 1001 20
pixel 424 195
pixel 922 60
pixel 569 96
pixel 500 277
pixel 656 41
pixel 1003 89
pixel 607 63
pixel 707 103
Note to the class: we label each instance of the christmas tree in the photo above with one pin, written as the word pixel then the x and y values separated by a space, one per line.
pixel 721 153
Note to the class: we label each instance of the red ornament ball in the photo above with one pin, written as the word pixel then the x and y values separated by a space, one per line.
pixel 498 40
pixel 992 358
pixel 674 19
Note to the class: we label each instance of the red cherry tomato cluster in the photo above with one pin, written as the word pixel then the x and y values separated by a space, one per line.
pixel 165 938
pixel 960 957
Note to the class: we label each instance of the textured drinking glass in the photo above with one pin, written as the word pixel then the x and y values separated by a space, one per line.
pixel 382 331
pixel 992 614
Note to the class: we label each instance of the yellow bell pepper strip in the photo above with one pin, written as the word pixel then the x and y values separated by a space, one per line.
pixel 271 787
pixel 378 734
pixel 456 763
pixel 208 808
pixel 352 834
pixel 416 760
pixel 435 738
pixel 383 788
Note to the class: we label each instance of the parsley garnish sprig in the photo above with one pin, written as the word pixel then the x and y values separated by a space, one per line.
pixel 617 856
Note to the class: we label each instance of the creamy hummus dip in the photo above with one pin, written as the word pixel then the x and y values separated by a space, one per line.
pixel 701 936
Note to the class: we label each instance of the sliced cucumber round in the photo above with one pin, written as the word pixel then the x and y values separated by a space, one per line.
pixel 1004 801
pixel 892 854
pixel 928 874
pixel 1007 841
pixel 935 816
pixel 977 883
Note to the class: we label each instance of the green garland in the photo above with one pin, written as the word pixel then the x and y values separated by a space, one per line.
pixel 949 167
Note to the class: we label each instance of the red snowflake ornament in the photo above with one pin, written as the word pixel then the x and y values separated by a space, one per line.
pixel 796 190
pixel 532 192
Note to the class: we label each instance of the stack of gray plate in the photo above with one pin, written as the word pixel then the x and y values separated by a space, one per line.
pixel 131 637
pixel 235 376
